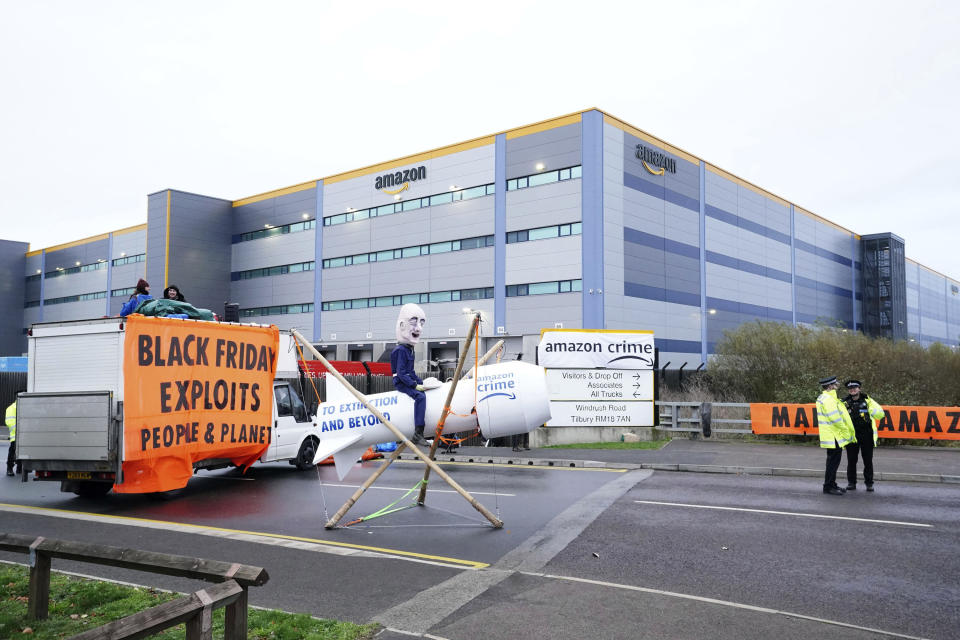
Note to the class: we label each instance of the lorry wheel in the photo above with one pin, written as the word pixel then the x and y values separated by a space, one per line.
pixel 92 489
pixel 305 457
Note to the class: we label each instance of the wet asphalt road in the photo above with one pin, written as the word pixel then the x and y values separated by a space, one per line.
pixel 660 570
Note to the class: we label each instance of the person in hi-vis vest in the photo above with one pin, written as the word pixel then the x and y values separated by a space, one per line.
pixel 11 420
pixel 836 432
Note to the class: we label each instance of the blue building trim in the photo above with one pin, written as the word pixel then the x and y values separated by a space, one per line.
pixel 645 239
pixel 109 272
pixel 318 260
pixel 637 290
pixel 823 253
pixel 591 193
pixel 500 231
pixel 793 265
pixel 659 191
pixel 853 281
pixel 703 262
pixel 748 225
pixel 43 277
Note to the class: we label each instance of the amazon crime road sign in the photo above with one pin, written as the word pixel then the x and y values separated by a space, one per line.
pixel 598 377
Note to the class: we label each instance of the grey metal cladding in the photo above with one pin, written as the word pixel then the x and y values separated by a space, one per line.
pixel 288 248
pixel 126 275
pixel 530 314
pixel 130 243
pixel 544 260
pixel 286 209
pixel 544 205
pixel 12 290
pixel 468 269
pixel 156 236
pixel 464 219
pixel 556 148
pixel 200 241
pixel 86 253
pixel 348 239
pixel 75 283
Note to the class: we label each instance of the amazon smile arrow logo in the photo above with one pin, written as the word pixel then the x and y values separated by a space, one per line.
pixel 654 161
pixel 399 181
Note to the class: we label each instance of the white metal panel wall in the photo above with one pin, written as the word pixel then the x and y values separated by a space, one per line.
pixel 85 362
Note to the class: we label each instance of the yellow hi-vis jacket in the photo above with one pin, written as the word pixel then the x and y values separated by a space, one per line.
pixel 834 422
pixel 12 420
pixel 875 411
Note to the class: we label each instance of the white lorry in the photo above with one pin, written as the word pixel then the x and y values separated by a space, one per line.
pixel 70 420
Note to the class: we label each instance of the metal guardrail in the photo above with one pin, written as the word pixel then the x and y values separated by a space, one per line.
pixel 705 417
pixel 194 609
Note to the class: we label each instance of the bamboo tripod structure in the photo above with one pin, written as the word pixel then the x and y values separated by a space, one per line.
pixel 404 442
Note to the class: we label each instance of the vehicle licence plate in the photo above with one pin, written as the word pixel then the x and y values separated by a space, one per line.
pixel 79 475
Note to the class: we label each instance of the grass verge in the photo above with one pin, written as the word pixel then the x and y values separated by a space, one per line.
pixel 643 444
pixel 78 604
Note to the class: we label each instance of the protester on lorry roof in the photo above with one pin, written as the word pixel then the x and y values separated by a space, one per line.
pixel 141 294
pixel 172 292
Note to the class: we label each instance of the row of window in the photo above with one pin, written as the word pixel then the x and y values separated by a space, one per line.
pixel 410 252
pixel 140 257
pixel 280 310
pixel 96 295
pixel 129 291
pixel 267 232
pixel 93 266
pixel 537 179
pixel 542 233
pixel 298 267
pixel 416 298
pixel 540 288
pixel 409 205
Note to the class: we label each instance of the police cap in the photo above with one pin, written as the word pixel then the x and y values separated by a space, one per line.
pixel 853 383
pixel 828 380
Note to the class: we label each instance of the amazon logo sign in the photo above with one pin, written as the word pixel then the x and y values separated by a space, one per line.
pixel 655 162
pixel 399 181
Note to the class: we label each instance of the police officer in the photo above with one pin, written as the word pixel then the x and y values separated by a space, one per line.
pixel 836 432
pixel 864 413
pixel 11 420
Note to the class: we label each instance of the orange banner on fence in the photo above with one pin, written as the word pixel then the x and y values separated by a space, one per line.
pixel 921 423
pixel 193 391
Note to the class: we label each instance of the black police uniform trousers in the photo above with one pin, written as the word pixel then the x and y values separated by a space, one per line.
pixel 863 447
pixel 12 456
pixel 833 463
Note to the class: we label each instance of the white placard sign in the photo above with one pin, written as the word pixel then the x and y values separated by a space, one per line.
pixel 585 349
pixel 598 378
pixel 600 414
pixel 600 384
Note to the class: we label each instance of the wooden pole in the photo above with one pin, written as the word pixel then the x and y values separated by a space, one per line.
pixel 496 522
pixel 446 407
pixel 366 485
pixel 487 356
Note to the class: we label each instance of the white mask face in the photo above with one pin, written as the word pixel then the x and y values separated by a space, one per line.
pixel 410 324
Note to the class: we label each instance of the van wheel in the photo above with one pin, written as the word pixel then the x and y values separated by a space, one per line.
pixel 307 451
pixel 92 489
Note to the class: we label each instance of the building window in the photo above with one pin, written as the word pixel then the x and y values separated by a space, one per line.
pixel 410 252
pixel 93 266
pixel 281 310
pixel 455 295
pixel 541 288
pixel 540 233
pixel 140 257
pixel 293 227
pixel 78 298
pixel 31 303
pixel 297 267
pixel 34 278
pixel 129 291
pixel 409 205
pixel 545 177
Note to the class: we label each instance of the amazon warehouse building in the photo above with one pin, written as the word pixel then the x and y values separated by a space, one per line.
pixel 581 221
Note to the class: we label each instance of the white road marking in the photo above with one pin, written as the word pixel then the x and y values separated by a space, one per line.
pixel 783 513
pixel 725 603
pixel 476 493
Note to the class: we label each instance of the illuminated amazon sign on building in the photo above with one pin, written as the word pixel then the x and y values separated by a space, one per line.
pixel 394 183
pixel 654 161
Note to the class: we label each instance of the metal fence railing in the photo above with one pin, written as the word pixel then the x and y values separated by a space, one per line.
pixel 705 417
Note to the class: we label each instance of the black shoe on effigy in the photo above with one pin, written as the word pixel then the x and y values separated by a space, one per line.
pixel 834 491
pixel 851 486
pixel 419 440
pixel 869 487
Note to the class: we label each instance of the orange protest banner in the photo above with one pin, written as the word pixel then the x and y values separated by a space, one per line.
pixel 920 423
pixel 193 391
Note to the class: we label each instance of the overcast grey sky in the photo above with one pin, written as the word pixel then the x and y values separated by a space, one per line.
pixel 848 109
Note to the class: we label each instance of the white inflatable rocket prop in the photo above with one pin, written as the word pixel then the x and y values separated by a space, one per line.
pixel 508 398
